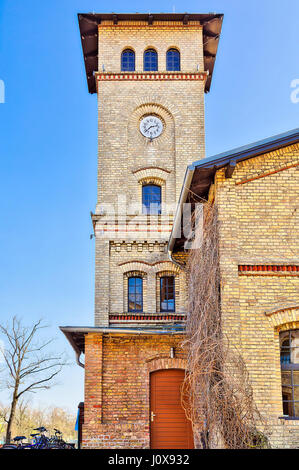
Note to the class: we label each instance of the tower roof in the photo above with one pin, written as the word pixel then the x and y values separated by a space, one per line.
pixel 89 22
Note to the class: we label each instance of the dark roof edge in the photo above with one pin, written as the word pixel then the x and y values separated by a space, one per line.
pixel 88 26
pixel 155 16
pixel 67 330
pixel 216 162
pixel 249 151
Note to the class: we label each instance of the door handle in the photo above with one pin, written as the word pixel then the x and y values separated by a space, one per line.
pixel 152 416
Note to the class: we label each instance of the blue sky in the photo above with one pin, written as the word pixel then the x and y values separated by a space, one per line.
pixel 48 143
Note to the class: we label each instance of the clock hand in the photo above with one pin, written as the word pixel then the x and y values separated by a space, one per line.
pixel 154 125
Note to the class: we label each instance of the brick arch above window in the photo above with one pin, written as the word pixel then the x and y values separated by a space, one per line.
pixel 285 318
pixel 135 273
pixel 167 273
pixel 166 266
pixel 166 363
pixel 153 175
pixel 142 266
pixel 134 266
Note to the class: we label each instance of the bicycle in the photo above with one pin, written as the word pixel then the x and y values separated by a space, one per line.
pixel 19 444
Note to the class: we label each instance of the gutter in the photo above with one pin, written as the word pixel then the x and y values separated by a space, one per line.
pixel 68 330
pixel 252 150
pixel 178 215
pixel 74 346
pixel 96 329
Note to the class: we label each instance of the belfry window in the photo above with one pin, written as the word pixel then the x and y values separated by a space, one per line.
pixel 167 294
pixel 289 358
pixel 150 61
pixel 151 199
pixel 128 61
pixel 173 60
pixel 135 294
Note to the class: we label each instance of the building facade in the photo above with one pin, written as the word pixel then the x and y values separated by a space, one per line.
pixel 150 73
pixel 256 189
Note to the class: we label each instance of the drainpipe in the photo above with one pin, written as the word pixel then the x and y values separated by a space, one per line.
pixel 78 354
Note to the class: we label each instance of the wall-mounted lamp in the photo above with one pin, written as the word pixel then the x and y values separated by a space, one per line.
pixel 172 353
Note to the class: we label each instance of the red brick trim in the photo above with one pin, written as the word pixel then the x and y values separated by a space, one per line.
pixel 244 181
pixel 268 270
pixel 158 26
pixel 142 317
pixel 146 76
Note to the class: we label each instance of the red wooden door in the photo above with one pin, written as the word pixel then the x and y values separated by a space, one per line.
pixel 170 428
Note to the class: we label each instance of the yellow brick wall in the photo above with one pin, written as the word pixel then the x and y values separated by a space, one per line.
pixel 258 213
pixel 160 36
pixel 151 260
pixel 126 159
pixel 122 148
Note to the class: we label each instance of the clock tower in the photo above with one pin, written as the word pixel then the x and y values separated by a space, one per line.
pixel 150 73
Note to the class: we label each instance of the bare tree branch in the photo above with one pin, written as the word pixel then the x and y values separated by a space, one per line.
pixel 29 367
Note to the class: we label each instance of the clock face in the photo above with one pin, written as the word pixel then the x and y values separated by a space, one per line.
pixel 151 127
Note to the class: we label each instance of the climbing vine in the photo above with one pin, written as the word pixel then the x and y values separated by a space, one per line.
pixel 217 397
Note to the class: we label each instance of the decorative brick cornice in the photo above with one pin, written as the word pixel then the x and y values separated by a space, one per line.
pixel 150 76
pixel 145 317
pixel 268 270
pixel 158 26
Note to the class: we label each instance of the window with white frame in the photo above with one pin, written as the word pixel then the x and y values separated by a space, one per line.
pixel 289 359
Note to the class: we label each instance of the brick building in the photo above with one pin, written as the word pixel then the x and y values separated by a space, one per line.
pixel 256 191
pixel 150 73
pixel 146 70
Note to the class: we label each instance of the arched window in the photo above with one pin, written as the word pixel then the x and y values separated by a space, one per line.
pixel 167 294
pixel 135 294
pixel 173 60
pixel 151 199
pixel 289 358
pixel 128 60
pixel 150 61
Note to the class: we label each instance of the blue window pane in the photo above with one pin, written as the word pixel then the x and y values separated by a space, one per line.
pixel 128 61
pixel 135 303
pixel 167 294
pixel 285 352
pixel 150 61
pixel 173 60
pixel 151 199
